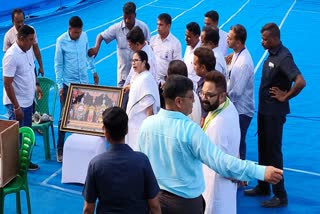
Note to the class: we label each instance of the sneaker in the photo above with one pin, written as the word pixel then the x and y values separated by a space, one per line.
pixel 33 167
pixel 59 157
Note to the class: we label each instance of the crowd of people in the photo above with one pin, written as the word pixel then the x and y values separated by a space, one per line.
pixel 178 144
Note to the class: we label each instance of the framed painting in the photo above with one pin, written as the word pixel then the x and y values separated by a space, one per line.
pixel 84 107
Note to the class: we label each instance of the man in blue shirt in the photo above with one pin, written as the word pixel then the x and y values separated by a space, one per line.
pixel 71 62
pixel 177 147
pixel 121 178
pixel 240 81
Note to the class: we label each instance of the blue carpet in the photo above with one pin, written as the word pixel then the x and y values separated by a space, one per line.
pixel 299 21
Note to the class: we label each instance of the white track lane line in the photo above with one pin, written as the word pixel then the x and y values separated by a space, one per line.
pixel 114 52
pixel 280 26
pixel 102 25
pixel 236 13
pixel 56 173
pixel 45 182
pixel 91 29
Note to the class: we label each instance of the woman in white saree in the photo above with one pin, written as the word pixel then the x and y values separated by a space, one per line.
pixel 143 97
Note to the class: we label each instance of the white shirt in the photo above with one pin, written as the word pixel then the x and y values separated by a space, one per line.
pixel 165 51
pixel 11 36
pixel 240 82
pixel 223 45
pixel 188 59
pixel 119 32
pixel 221 64
pixel 20 65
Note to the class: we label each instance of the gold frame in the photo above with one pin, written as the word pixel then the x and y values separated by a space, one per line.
pixel 84 106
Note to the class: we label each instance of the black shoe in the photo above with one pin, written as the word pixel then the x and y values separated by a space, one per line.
pixel 33 167
pixel 257 191
pixel 275 202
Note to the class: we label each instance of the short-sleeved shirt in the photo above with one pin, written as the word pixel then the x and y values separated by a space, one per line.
pixel 119 31
pixel 122 180
pixel 279 70
pixel 20 65
pixel 165 50
pixel 11 37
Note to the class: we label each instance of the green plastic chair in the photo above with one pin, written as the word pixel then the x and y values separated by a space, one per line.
pixel 49 89
pixel 20 182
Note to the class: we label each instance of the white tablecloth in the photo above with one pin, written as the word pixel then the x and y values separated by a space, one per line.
pixel 78 151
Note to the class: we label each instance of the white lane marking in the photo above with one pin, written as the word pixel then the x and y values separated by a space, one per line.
pixel 303 171
pixel 194 6
pixel 305 11
pixel 171 8
pixel 280 26
pixel 45 183
pixel 100 26
pixel 106 57
pixel 236 13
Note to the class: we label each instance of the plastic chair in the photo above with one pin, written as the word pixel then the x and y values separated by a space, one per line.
pixel 20 182
pixel 42 106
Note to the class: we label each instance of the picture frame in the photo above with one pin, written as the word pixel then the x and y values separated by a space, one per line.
pixel 84 106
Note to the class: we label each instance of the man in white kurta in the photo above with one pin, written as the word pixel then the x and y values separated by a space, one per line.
pixel 143 93
pixel 222 127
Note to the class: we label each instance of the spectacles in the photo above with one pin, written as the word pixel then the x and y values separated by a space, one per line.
pixel 135 60
pixel 207 95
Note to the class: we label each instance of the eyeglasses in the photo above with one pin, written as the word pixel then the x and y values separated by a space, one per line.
pixel 207 95
pixel 135 60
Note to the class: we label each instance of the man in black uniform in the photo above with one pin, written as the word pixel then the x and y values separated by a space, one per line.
pixel 279 72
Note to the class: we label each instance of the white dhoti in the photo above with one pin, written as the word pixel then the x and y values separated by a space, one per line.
pixel 221 193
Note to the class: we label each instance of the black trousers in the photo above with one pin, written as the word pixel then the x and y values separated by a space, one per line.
pixel 270 148
pixel 244 125
pixel 174 204
pixel 62 134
